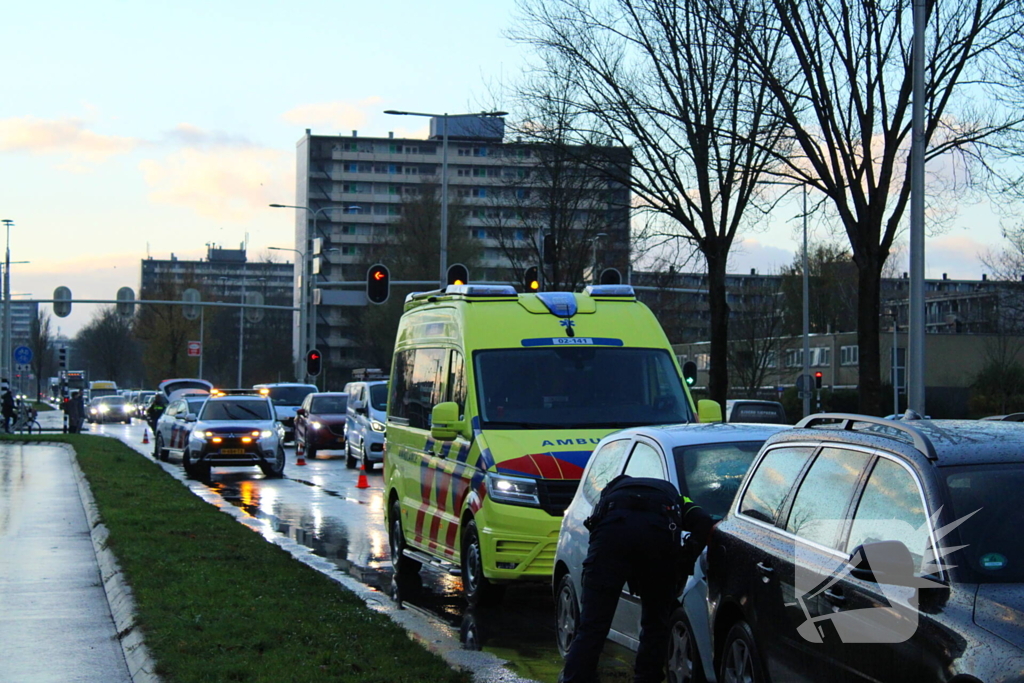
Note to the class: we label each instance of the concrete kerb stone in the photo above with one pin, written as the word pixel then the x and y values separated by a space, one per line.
pixel 141 666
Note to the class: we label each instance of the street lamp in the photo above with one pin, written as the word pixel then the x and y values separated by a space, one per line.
pixel 444 173
pixel 6 347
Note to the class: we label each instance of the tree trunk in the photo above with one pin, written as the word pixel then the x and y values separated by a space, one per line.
pixel 868 327
pixel 718 374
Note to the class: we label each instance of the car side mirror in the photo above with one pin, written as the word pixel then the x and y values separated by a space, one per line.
pixel 709 411
pixel 358 405
pixel 883 562
pixel 191 417
pixel 301 412
pixel 445 424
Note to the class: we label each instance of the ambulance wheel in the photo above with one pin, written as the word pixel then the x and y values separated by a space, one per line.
pixel 477 588
pixel 407 570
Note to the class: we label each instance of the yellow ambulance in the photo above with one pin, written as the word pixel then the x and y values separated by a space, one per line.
pixel 497 400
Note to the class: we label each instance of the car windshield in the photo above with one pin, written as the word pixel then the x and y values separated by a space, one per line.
pixel 379 396
pixel 289 396
pixel 995 551
pixel 236 410
pixel 113 400
pixel 577 387
pixel 329 404
pixel 710 474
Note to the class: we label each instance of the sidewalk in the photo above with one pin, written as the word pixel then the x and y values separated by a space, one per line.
pixel 55 620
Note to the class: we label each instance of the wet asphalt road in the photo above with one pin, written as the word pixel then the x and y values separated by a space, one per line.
pixel 320 507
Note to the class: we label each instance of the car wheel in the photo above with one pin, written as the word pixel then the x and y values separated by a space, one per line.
pixel 477 588
pixel 683 664
pixel 159 451
pixel 567 614
pixel 740 661
pixel 367 465
pixel 274 468
pixel 193 470
pixel 310 450
pixel 350 460
pixel 407 570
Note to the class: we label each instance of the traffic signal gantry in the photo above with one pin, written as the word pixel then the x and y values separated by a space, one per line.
pixel 378 283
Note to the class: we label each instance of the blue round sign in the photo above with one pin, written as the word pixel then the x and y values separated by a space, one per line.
pixel 23 355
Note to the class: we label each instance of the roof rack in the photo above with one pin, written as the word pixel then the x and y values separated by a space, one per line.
pixel 848 420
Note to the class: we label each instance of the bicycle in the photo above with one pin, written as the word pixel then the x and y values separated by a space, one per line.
pixel 25 421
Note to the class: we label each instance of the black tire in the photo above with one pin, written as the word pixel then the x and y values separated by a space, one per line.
pixel 193 469
pixel 159 452
pixel 477 588
pixel 683 664
pixel 310 451
pixel 740 661
pixel 407 570
pixel 350 460
pixel 567 614
pixel 274 468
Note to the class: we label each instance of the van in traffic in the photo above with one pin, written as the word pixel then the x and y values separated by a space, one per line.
pixel 496 402
pixel 364 422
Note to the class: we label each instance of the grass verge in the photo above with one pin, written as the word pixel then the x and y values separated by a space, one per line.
pixel 218 603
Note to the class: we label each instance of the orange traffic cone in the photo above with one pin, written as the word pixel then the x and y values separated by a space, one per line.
pixel 145 436
pixel 300 454
pixel 362 483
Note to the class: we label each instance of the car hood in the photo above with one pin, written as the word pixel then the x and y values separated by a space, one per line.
pixel 285 411
pixel 999 609
pixel 330 418
pixel 240 426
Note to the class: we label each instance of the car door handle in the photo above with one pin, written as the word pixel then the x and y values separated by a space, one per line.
pixel 764 569
pixel 833 597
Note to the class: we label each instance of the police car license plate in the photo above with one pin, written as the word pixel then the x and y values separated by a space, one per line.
pixel 232 451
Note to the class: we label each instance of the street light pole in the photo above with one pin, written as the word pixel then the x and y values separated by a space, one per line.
pixel 806 316
pixel 241 333
pixel 593 241
pixel 444 173
pixel 7 350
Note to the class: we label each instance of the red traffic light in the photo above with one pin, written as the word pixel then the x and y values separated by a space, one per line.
pixel 314 363
pixel 378 275
pixel 378 284
pixel 818 375
pixel 817 379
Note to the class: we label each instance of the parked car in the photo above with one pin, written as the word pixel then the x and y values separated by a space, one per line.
pixel 1012 417
pixel 108 409
pixel 173 426
pixel 706 462
pixel 365 417
pixel 286 398
pixel 746 410
pixel 860 548
pixel 234 430
pixel 141 403
pixel 320 422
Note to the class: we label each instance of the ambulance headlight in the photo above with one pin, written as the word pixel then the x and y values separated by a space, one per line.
pixel 513 490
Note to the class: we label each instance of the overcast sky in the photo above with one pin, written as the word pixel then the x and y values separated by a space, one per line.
pixel 139 128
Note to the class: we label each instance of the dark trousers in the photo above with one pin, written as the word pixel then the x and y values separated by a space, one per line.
pixel 625 546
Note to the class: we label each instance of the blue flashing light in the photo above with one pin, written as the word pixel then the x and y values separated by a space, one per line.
pixel 610 290
pixel 561 304
pixel 482 290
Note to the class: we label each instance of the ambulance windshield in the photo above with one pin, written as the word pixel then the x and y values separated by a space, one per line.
pixel 577 387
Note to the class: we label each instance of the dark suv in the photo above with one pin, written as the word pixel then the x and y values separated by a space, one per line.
pixel 862 549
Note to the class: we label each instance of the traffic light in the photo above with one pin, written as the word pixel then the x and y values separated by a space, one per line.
pixel 314 363
pixel 690 372
pixel 62 357
pixel 549 249
pixel 458 274
pixel 531 279
pixel 610 276
pixel 817 380
pixel 378 284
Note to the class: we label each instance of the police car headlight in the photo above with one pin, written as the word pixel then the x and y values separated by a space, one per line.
pixel 199 434
pixel 514 490
pixel 377 426
pixel 266 434
pixel 315 425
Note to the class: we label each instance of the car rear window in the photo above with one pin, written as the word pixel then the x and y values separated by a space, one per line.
pixel 711 474
pixel 770 413
pixel 329 404
pixel 989 498
pixel 289 396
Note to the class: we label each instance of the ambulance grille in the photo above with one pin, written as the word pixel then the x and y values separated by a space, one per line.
pixel 556 494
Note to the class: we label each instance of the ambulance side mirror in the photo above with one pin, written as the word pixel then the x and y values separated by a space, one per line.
pixel 445 424
pixel 709 411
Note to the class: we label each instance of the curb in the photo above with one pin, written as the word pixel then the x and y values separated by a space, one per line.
pixel 141 666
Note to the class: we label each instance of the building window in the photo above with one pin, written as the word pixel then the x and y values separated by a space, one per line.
pixel 849 355
pixel 821 356
pixel 479 233
pixel 479 192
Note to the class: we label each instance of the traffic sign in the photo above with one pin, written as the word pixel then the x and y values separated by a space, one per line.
pixel 190 312
pixel 195 349
pixel 126 302
pixel 23 355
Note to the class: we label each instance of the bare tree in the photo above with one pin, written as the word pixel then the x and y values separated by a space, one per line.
pixel 661 78
pixel 844 84
pixel 832 279
pixel 757 325
pixel 164 332
pixel 40 340
pixel 107 346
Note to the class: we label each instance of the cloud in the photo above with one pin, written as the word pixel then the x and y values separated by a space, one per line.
pixel 223 183
pixel 336 116
pixel 188 135
pixel 765 258
pixel 956 255
pixel 61 136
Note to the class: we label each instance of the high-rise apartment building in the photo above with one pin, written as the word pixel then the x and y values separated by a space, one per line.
pixel 353 189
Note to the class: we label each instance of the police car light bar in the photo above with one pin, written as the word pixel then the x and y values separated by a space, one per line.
pixel 482 290
pixel 610 290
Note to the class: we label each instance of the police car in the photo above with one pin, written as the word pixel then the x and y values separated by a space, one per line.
pixel 706 462
pixel 232 430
